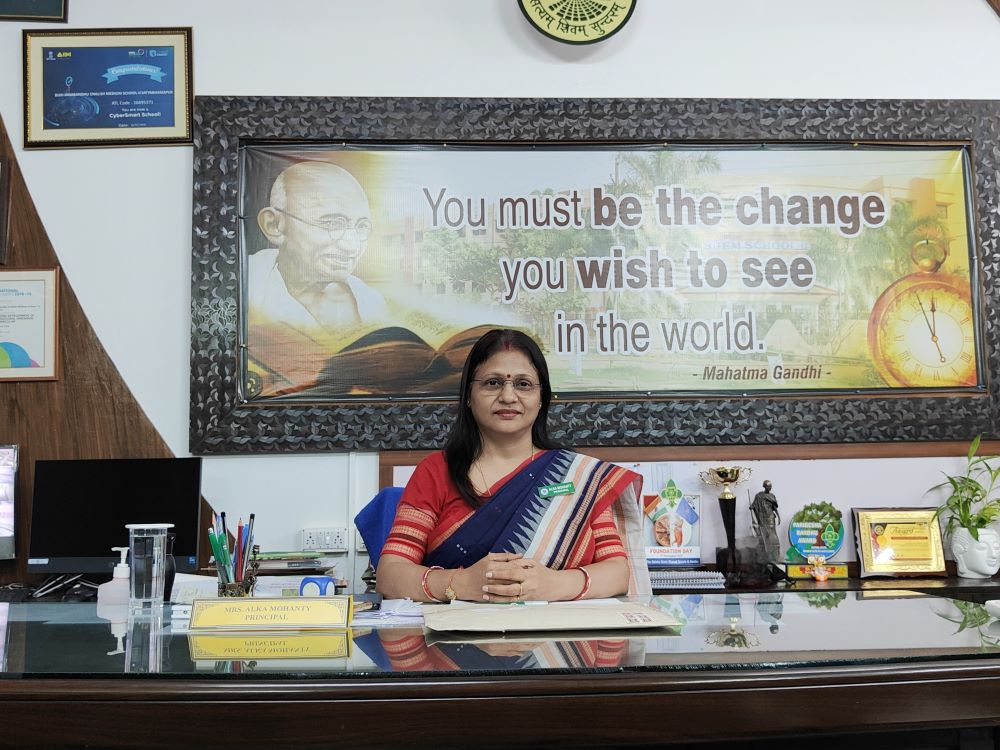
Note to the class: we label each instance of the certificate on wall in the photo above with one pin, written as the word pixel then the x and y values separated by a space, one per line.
pixel 898 542
pixel 102 87
pixel 29 313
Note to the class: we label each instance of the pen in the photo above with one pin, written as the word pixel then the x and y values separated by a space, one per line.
pixel 224 542
pixel 249 545
pixel 213 541
pixel 238 552
pixel 245 559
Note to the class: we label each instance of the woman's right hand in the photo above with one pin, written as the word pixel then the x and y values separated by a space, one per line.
pixel 468 583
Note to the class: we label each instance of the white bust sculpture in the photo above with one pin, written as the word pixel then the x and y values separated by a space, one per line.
pixel 976 559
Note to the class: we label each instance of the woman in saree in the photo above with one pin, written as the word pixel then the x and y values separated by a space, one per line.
pixel 501 514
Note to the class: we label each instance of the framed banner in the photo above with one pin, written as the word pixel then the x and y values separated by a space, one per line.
pixel 107 87
pixel 898 542
pixel 53 11
pixel 701 278
pixel 643 271
pixel 29 324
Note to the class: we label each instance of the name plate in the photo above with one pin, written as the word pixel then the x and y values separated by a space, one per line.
pixel 285 613
pixel 229 647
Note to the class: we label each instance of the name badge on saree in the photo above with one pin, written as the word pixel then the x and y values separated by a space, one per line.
pixel 552 490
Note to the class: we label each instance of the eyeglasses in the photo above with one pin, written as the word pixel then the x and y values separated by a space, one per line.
pixel 338 226
pixel 493 386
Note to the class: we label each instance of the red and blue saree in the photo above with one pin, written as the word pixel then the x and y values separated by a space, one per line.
pixel 561 508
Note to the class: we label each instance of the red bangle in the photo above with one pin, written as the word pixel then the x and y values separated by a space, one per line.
pixel 586 585
pixel 425 587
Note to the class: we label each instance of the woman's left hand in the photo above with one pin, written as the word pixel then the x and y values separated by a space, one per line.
pixel 520 580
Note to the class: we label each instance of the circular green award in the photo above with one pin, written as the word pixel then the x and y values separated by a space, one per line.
pixel 815 531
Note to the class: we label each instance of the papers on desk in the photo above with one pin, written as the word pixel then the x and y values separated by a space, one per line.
pixel 393 612
pixel 188 587
pixel 608 614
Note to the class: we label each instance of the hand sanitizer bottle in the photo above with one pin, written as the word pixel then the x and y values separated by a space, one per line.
pixel 112 601
pixel 115 591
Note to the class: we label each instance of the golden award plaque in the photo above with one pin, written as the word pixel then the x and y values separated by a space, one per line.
pixel 898 542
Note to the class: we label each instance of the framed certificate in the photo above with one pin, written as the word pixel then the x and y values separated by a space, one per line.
pixel 53 11
pixel 29 322
pixel 107 87
pixel 898 542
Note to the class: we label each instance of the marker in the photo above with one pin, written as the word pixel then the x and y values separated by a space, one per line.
pixel 213 541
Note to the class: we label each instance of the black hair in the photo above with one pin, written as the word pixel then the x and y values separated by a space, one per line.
pixel 465 444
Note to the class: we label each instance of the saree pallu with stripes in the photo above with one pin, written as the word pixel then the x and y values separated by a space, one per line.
pixel 545 512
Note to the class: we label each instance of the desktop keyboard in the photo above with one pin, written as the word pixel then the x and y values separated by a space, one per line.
pixel 19 594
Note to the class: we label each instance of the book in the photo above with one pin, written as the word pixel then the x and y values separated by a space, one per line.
pixel 318 563
pixel 292 555
pixel 398 360
pixel 412 351
pixel 672 528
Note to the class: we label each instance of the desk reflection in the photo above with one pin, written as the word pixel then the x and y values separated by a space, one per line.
pixel 410 652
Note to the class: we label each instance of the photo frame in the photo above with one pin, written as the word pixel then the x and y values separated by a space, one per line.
pixel 225 421
pixel 107 87
pixel 898 542
pixel 8 498
pixel 4 209
pixel 29 324
pixel 51 11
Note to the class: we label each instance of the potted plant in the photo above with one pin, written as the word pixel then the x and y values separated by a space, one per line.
pixel 969 510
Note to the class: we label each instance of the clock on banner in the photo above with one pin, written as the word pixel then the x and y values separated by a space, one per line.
pixel 921 332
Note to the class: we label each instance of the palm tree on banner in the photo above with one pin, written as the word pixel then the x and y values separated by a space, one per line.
pixel 640 172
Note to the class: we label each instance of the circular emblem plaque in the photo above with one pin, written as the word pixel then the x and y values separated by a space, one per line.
pixel 577 21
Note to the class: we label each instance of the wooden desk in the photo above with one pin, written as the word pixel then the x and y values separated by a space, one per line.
pixel 941 694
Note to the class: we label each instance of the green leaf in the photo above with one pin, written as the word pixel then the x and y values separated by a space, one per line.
pixel 974 446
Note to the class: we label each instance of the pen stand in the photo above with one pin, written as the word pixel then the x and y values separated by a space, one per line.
pixel 246 586
pixel 240 588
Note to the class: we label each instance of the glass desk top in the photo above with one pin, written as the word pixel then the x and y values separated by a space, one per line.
pixel 735 631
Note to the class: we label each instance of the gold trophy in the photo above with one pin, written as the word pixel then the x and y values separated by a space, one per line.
pixel 725 476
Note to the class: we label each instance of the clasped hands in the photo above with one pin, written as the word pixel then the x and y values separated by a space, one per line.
pixel 506 577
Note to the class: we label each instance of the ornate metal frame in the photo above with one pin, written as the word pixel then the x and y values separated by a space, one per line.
pixel 222 423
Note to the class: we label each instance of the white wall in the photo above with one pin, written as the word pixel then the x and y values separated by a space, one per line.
pixel 120 219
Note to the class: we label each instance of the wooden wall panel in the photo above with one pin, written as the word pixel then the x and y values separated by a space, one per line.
pixel 90 411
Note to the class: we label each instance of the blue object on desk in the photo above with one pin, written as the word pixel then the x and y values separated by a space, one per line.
pixel 322 584
pixel 374 521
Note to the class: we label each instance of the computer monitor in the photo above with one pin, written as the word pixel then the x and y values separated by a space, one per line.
pixel 79 509
pixel 4 616
pixel 8 484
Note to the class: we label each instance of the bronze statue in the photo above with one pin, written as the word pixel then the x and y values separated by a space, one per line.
pixel 764 519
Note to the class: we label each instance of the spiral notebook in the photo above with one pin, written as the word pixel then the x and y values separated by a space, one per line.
pixel 687 579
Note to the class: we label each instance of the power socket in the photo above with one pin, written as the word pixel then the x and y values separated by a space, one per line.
pixel 325 539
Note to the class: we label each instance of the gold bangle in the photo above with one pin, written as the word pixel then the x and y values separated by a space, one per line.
pixel 449 592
